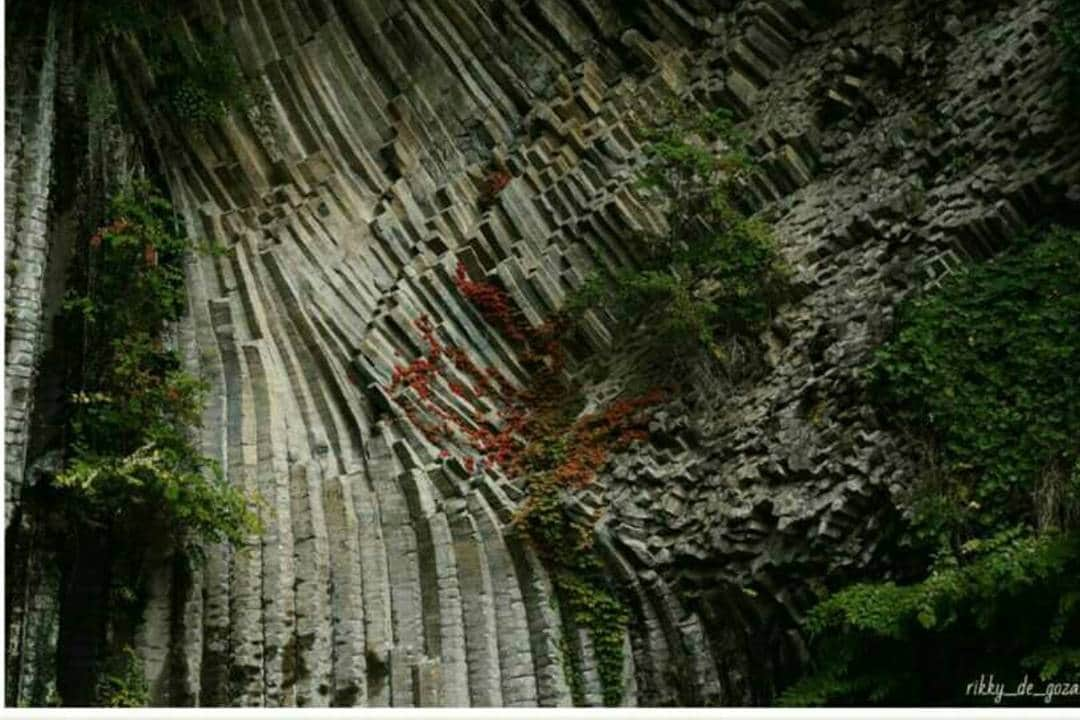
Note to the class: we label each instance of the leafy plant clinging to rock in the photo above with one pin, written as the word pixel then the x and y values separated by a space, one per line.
pixel 716 271
pixel 196 71
pixel 132 406
pixel 988 367
pixel 122 683
pixel 538 435
pixel 133 486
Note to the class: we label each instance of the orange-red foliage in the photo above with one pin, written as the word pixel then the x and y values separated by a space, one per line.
pixel 115 227
pixel 494 182
pixel 525 420
pixel 492 303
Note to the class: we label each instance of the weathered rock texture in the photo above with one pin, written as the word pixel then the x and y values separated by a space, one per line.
pixel 894 139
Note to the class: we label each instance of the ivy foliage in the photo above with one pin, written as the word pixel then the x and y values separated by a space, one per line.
pixel 988 366
pixel 985 370
pixel 974 582
pixel 586 596
pixel 565 456
pixel 715 272
pixel 132 407
pixel 197 76
pixel 1007 606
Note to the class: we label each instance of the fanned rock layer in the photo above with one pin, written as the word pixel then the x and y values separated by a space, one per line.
pixel 893 139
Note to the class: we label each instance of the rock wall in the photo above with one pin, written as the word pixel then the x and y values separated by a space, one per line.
pixel 29 128
pixel 61 163
pixel 894 139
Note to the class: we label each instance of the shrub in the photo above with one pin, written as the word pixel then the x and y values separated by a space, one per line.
pixel 985 369
pixel 132 406
pixel 987 365
pixel 701 184
pixel 664 298
pixel 1004 605
pixel 200 81
pixel 716 270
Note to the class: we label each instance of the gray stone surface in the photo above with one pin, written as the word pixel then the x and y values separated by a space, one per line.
pixel 891 147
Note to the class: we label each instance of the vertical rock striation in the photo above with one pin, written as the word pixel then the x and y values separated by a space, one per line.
pixel 386 575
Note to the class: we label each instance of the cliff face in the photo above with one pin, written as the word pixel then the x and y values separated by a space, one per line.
pixel 893 139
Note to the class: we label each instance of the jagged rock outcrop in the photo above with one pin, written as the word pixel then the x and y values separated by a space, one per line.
pixel 893 139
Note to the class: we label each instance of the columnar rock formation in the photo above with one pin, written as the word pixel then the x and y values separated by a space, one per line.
pixel 893 140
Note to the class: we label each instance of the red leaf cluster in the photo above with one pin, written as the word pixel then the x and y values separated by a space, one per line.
pixel 115 228
pixel 523 419
pixel 594 437
pixel 492 302
pixel 494 183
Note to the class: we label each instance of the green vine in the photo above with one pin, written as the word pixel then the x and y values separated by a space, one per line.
pixel 572 670
pixel 987 367
pixel 132 405
pixel 585 594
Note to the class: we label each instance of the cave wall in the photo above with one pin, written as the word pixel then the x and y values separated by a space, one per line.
pixel 895 139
